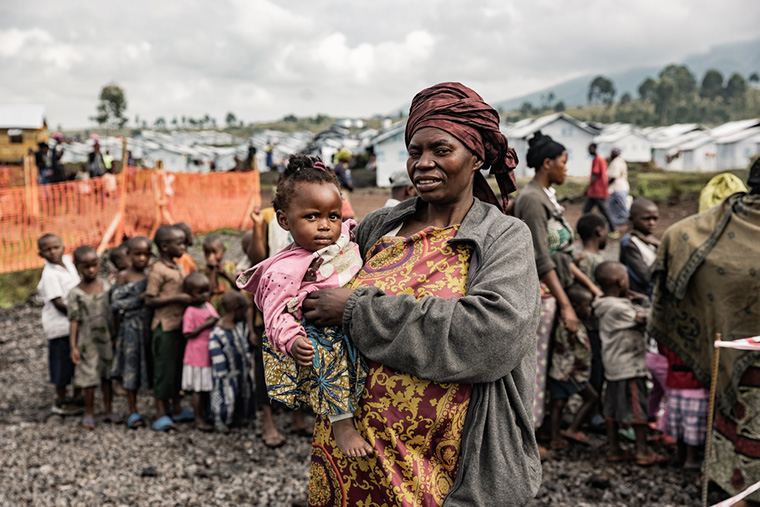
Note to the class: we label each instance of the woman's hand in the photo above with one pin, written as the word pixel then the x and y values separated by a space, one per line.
pixel 75 357
pixel 302 351
pixel 325 307
pixel 570 321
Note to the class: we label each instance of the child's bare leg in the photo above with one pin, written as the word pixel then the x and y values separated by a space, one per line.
pixel 198 408
pixel 269 434
pixel 89 402
pixel 613 438
pixel 642 448
pixel 557 409
pixel 60 394
pixel 132 400
pixel 176 401
pixel 589 401
pixel 105 387
pixel 348 439
pixel 204 406
pixel 161 406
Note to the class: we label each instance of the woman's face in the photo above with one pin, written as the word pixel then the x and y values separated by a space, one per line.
pixel 441 167
pixel 557 169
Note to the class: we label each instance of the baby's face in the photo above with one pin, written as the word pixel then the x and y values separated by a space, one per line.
pixel 314 215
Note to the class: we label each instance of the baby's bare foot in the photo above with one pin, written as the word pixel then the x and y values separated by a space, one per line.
pixel 348 439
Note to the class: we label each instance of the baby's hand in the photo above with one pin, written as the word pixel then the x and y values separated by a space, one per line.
pixel 75 357
pixel 641 318
pixel 303 352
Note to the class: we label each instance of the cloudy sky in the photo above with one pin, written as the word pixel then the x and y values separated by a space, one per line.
pixel 263 59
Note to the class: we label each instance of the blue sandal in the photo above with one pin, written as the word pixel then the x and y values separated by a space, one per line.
pixel 134 421
pixel 164 423
pixel 185 415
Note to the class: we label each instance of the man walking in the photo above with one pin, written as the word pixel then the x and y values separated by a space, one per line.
pixel 597 190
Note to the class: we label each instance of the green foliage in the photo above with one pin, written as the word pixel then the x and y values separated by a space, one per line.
pixel 601 91
pixel 712 85
pixel 111 108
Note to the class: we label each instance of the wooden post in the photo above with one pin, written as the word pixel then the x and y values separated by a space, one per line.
pixel 710 419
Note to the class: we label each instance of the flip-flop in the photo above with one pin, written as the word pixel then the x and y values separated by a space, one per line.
pixel 622 456
pixel 274 441
pixel 164 423
pixel 186 415
pixel 653 459
pixel 578 436
pixel 88 423
pixel 113 419
pixel 134 421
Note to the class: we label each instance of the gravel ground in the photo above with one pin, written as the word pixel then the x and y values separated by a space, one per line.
pixel 49 460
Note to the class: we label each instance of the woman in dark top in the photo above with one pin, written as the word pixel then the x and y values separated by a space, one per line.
pixel 553 237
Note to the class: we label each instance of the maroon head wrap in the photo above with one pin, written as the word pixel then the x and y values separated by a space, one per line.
pixel 458 110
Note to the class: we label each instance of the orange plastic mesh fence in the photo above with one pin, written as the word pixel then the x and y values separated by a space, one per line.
pixel 135 202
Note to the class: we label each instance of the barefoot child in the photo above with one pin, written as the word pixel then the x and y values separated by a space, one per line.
pixel 132 362
pixel 322 255
pixel 624 354
pixel 570 371
pixel 228 346
pixel 89 308
pixel 164 294
pixel 197 322
pixel 59 276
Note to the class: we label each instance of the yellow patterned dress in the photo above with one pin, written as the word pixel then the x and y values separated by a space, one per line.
pixel 414 425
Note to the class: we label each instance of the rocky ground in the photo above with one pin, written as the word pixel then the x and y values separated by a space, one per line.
pixel 49 460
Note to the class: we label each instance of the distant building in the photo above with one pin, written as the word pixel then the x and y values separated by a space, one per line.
pixel 634 146
pixel 563 128
pixel 390 153
pixel 737 150
pixel 22 126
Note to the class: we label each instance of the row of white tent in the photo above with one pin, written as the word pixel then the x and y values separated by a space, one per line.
pixel 681 147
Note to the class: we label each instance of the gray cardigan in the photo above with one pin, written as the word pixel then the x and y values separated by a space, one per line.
pixel 487 338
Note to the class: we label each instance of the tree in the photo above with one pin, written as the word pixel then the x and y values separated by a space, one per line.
pixel 526 109
pixel 712 85
pixel 230 119
pixel 174 122
pixel 559 106
pixel 625 99
pixel 111 108
pixel 736 87
pixel 160 123
pixel 646 89
pixel 754 79
pixel 291 118
pixel 601 90
pixel 683 79
pixel 664 97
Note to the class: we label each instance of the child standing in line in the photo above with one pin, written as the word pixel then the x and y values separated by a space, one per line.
pixel 164 294
pixel 232 395
pixel 593 231
pixel 59 276
pixel 197 322
pixel 220 272
pixel 638 251
pixel 687 410
pixel 185 260
pixel 296 357
pixel 89 308
pixel 570 372
pixel 624 354
pixel 132 362
pixel 638 248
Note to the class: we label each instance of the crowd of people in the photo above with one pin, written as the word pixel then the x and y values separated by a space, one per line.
pixel 427 337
